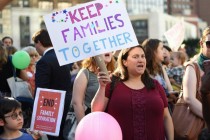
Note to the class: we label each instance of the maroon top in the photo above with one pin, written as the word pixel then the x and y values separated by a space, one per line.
pixel 139 112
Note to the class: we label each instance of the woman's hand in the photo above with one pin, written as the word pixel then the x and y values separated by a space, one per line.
pixel 103 78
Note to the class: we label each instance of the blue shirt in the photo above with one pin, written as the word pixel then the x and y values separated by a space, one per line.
pixel 24 136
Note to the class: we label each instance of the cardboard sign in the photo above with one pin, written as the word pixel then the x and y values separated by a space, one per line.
pixel 175 35
pixel 48 111
pixel 90 29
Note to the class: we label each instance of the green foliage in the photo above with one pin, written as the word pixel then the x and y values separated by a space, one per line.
pixel 192 47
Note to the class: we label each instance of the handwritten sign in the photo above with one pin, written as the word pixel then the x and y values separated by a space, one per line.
pixel 175 35
pixel 48 111
pixel 90 29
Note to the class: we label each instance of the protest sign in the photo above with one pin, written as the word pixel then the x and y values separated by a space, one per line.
pixel 90 29
pixel 48 111
pixel 175 35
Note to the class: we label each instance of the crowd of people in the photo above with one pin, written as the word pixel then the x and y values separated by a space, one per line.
pixel 147 81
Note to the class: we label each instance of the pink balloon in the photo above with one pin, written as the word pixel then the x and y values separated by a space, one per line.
pixel 98 126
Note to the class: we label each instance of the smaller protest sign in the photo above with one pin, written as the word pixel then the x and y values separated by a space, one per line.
pixel 48 111
pixel 175 35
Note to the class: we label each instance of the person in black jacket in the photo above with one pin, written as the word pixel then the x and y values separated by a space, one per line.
pixel 205 94
pixel 49 74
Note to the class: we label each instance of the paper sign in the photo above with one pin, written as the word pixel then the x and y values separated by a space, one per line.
pixel 175 35
pixel 90 29
pixel 48 111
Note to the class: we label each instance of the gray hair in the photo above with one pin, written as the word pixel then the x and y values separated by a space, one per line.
pixel 29 49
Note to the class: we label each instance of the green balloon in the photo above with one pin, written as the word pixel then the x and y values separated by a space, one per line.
pixel 21 60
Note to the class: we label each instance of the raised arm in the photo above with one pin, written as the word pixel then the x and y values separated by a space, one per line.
pixel 166 78
pixel 100 101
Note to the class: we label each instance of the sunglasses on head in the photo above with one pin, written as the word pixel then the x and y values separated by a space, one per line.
pixel 33 55
pixel 207 44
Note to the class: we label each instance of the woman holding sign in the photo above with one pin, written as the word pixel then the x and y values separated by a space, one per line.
pixel 86 84
pixel 137 101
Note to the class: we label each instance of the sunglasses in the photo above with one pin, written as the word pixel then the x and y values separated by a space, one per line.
pixel 15 115
pixel 207 44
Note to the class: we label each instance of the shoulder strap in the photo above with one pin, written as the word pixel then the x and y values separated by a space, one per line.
pixel 198 76
pixel 114 80
pixel 197 72
pixel 86 71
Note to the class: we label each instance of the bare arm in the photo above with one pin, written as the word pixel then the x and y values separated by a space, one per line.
pixel 23 75
pixel 168 125
pixel 189 91
pixel 173 82
pixel 166 78
pixel 78 95
pixel 99 102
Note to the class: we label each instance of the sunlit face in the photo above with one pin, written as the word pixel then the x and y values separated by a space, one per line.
pixel 206 46
pixel 14 120
pixel 160 53
pixel 7 42
pixel 107 57
pixel 136 61
pixel 34 57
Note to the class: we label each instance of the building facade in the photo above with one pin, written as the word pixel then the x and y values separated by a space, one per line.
pixel 21 18
pixel 182 7
pixel 203 12
pixel 155 24
pixel 145 6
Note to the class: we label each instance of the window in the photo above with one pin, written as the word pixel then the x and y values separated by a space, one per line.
pixel 23 3
pixel 141 29
pixel 42 25
pixel 24 30
pixel 62 5
pixel 46 5
pixel 1 28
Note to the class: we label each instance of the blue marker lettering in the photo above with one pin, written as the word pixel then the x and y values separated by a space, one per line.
pixel 64 52
pixel 86 50
pixel 75 51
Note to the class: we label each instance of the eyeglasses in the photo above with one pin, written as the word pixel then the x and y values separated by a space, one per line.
pixel 208 44
pixel 15 115
pixel 33 55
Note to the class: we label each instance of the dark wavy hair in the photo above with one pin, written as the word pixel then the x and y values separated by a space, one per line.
pixel 150 47
pixel 7 105
pixel 122 73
